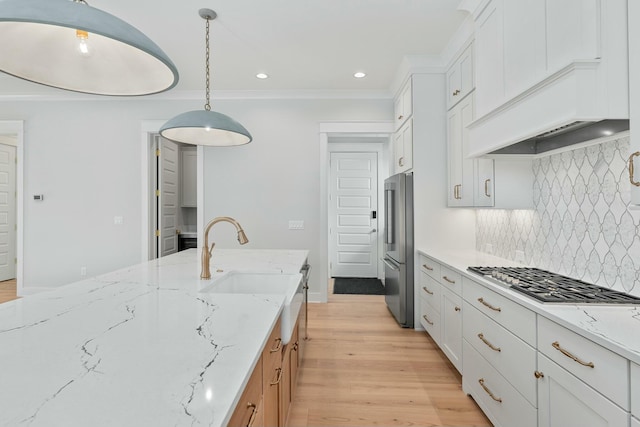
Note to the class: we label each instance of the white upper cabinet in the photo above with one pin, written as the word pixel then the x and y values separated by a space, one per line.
pixel 403 105
pixel 403 148
pixel 541 65
pixel 460 81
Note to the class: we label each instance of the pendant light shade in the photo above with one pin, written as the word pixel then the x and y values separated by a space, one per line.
pixel 202 127
pixel 70 45
pixel 205 127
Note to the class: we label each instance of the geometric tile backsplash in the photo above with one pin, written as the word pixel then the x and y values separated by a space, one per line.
pixel 580 225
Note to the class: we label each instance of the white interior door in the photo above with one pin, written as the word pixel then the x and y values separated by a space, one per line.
pixel 353 225
pixel 168 197
pixel 7 212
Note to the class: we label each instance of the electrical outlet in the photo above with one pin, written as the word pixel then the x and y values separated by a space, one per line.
pixel 83 271
pixel 296 224
pixel 488 248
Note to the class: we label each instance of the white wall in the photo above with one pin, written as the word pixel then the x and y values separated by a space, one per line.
pixel 84 156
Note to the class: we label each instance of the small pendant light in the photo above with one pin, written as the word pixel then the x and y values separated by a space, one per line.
pixel 70 45
pixel 205 127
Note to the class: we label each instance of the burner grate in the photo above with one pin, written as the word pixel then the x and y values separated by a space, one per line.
pixel 546 286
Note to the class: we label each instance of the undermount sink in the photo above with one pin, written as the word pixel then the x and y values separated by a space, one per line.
pixel 289 285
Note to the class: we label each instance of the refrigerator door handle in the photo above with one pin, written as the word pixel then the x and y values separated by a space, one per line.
pixel 390 220
pixel 391 265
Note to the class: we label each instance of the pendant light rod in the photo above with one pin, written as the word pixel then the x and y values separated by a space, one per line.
pixel 205 127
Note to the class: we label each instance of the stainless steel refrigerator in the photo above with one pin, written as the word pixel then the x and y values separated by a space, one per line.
pixel 398 247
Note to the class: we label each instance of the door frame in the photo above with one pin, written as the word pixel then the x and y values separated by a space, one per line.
pixel 16 127
pixel 148 129
pixel 345 136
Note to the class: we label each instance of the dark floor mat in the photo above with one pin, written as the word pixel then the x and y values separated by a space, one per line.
pixel 358 286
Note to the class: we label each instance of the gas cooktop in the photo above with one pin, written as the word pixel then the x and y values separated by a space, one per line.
pixel 550 287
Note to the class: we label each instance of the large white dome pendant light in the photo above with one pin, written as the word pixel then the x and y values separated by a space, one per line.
pixel 70 45
pixel 205 127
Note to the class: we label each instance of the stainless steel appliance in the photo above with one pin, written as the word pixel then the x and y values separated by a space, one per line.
pixel 549 287
pixel 398 247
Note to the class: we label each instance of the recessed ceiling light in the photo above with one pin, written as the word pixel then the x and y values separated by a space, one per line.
pixel 262 76
pixel 359 75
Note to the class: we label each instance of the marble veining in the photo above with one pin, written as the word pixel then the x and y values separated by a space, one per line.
pixel 614 327
pixel 137 347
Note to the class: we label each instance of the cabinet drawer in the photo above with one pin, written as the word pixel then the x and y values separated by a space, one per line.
pixel 635 390
pixel 429 266
pixel 250 403
pixel 451 279
pixel 430 320
pixel 512 316
pixel 602 369
pixel 509 355
pixel 499 400
pixel 430 290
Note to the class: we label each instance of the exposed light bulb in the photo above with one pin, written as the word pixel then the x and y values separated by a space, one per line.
pixel 84 47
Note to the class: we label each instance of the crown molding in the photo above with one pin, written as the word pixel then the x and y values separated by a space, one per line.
pixel 186 95
pixel 416 64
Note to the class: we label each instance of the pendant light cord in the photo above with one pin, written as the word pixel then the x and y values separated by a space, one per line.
pixel 207 106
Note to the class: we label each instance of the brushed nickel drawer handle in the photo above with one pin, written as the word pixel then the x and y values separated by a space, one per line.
pixel 486 304
pixel 448 280
pixel 427 290
pixel 491 346
pixel 486 187
pixel 278 345
pixel 254 412
pixel 497 399
pixel 427 267
pixel 277 381
pixel 633 182
pixel 556 345
pixel 401 161
pixel 424 316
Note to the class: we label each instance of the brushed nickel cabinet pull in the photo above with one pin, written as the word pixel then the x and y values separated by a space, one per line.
pixel 448 280
pixel 278 345
pixel 538 374
pixel 486 187
pixel 277 381
pixel 556 345
pixel 633 182
pixel 427 290
pixel 427 267
pixel 254 412
pixel 400 117
pixel 491 346
pixel 424 316
pixel 457 308
pixel 401 161
pixel 486 304
pixel 497 399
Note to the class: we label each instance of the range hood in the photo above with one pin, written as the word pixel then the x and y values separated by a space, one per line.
pixel 573 133
pixel 578 103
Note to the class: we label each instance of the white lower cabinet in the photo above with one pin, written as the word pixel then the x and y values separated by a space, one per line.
pixel 635 391
pixel 451 333
pixel 500 401
pixel 565 401
pixel 430 320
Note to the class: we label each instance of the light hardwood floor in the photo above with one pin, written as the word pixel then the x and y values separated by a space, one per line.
pixel 362 369
pixel 8 290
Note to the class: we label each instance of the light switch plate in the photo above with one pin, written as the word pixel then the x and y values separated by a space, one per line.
pixel 296 224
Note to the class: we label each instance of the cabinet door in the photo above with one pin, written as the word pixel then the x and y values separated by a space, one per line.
pixel 460 77
pixel 403 105
pixel 634 100
pixel 461 173
pixel 451 333
pixel 489 59
pixel 565 401
pixel 484 179
pixel 188 174
pixel 403 148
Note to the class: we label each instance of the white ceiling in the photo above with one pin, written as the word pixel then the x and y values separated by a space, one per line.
pixel 304 45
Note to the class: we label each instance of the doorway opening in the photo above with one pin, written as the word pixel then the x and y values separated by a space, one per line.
pixel 354 137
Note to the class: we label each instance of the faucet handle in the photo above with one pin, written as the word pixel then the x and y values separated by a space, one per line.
pixel 211 251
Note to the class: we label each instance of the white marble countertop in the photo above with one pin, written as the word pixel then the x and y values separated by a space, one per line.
pixel 615 327
pixel 137 347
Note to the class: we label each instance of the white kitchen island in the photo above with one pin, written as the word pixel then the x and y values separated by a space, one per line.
pixel 138 347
